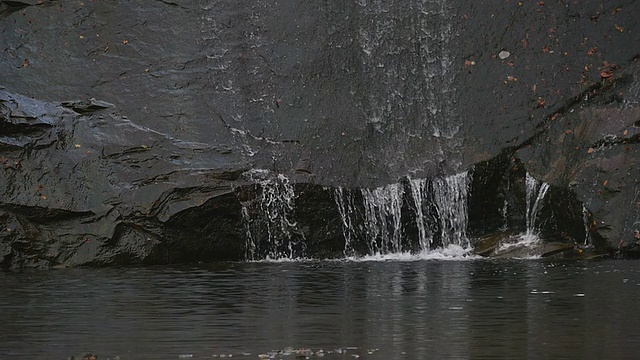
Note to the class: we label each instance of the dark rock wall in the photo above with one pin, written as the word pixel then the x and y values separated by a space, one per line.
pixel 126 126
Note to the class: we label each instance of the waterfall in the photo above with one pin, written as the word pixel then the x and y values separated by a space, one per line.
pixel 418 192
pixel 450 195
pixel 268 219
pixel 436 33
pixel 450 199
pixel 346 208
pixel 439 204
pixel 382 212
pixel 505 208
pixel 409 71
pixel 505 215
pixel 587 233
pixel 535 195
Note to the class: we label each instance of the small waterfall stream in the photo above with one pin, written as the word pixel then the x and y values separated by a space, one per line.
pixel 451 199
pixel 535 194
pixel 347 210
pixel 419 194
pixel 269 219
pixel 383 213
pixel 525 243
pixel 588 242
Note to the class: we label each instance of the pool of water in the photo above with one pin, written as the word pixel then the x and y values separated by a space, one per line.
pixel 421 309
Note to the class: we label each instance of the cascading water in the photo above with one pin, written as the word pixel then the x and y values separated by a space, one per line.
pixel 346 208
pixel 526 243
pixel 382 212
pixel 419 193
pixel 376 218
pixel 271 231
pixel 535 195
pixel 439 211
pixel 409 72
pixel 587 233
pixel 450 194
pixel 505 209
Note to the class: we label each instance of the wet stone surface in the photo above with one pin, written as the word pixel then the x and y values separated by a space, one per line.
pixel 130 147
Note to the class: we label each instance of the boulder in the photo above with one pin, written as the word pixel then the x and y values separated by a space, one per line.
pixel 132 132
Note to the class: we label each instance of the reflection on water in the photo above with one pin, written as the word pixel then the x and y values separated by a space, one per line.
pixel 376 310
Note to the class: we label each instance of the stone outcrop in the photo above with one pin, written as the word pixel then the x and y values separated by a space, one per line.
pixel 129 130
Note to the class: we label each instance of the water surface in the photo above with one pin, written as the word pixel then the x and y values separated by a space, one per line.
pixel 349 309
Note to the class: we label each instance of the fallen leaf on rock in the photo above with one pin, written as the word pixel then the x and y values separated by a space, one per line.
pixel 605 183
pixel 626 132
pixel 26 63
pixel 568 131
pixel 592 51
pixel 541 102
pixel 606 74
pixel 512 78
pixel 591 150
pixel 619 28
pixel 546 49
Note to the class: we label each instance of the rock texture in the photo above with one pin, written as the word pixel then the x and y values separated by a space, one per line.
pixel 129 130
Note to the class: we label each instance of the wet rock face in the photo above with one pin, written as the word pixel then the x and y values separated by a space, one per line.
pixel 126 128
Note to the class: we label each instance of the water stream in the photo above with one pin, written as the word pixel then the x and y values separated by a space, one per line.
pixel 451 199
pixel 269 219
pixel 419 192
pixel 383 214
pixel 536 192
pixel 527 242
pixel 347 210
pixel 588 242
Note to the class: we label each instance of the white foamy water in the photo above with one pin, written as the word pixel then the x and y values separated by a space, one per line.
pixel 522 240
pixel 451 252
pixel 525 244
